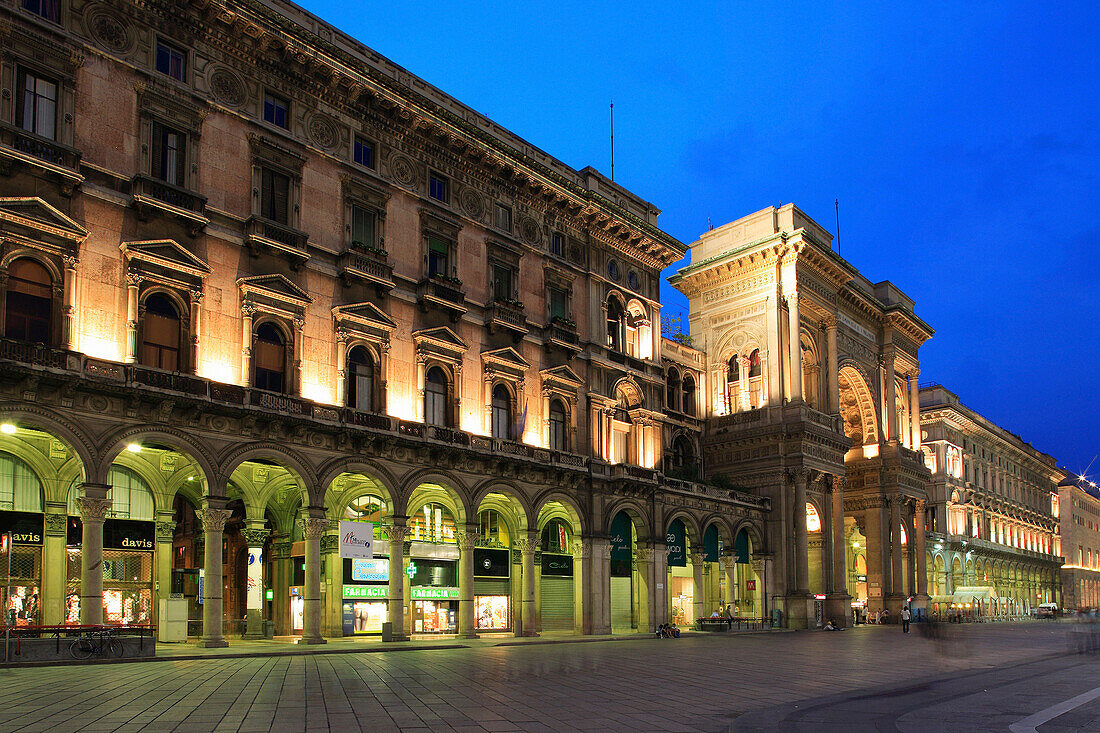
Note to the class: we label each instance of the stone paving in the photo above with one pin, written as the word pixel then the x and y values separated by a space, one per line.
pixel 700 682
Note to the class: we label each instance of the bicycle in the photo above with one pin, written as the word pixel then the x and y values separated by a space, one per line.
pixel 96 643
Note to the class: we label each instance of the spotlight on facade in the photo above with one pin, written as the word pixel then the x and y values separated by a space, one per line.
pixel 7 428
pixel 134 448
pixel 855 545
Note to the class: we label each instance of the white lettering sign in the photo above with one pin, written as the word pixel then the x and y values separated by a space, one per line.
pixel 356 539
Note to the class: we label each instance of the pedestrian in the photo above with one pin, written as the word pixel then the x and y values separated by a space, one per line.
pixel 885 618
pixel 905 619
pixel 729 618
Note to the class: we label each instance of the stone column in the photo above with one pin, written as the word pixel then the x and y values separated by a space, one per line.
pixel 165 533
pixel 213 516
pixel 914 409
pixel 828 579
pixel 699 591
pixel 601 585
pixel 255 535
pixel 295 382
pixel 910 531
pixel 526 546
pixel 93 507
pixel 733 591
pixel 838 603
pixel 582 586
pixel 342 367
pixel 281 576
pixel 660 590
pixel 53 556
pixel 467 627
pixel 395 534
pixel 421 372
pixel 487 408
pixel 834 367
pixel 68 305
pixel 801 541
pixel 313 528
pixel 643 568
pixel 897 594
pixel 794 344
pixel 133 282
pixel 891 398
pixel 196 329
pixel 247 311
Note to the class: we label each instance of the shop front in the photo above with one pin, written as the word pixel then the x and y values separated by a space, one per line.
pixel 23 554
pixel 492 589
pixel 128 546
pixel 433 593
pixel 365 594
pixel 622 573
pixel 681 580
pixel 556 584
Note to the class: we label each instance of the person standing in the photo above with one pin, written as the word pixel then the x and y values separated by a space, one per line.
pixel 905 619
pixel 729 618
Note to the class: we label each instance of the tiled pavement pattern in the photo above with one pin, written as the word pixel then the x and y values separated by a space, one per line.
pixel 693 683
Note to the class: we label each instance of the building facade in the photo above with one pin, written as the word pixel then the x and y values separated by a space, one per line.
pixel 811 400
pixel 256 278
pixel 1078 515
pixel 996 543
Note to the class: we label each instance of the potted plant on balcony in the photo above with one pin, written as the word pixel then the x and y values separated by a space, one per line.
pixel 563 322
pixel 450 280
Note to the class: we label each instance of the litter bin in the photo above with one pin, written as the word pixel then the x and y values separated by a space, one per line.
pixel 387 631
pixel 269 629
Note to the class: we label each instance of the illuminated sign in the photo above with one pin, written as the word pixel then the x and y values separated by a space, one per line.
pixel 370 570
pixel 434 594
pixel 366 591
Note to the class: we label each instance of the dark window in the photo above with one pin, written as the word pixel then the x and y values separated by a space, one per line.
pixel 501 418
pixel 754 364
pixel 555 537
pixel 733 369
pixel 557 244
pixel 48 9
pixel 269 357
pixel 361 379
pixel 275 110
pixel 29 302
pixel 38 105
pixel 439 251
pixel 504 217
pixel 362 227
pixel 435 397
pixel 171 61
pixel 438 188
pixel 160 334
pixel 615 318
pixel 688 404
pixel 557 426
pixel 274 196
pixel 559 303
pixel 682 454
pixel 169 155
pixel 364 152
pixel 502 282
pixel 672 390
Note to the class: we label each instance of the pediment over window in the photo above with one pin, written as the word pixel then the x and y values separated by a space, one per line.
pixel 364 319
pixel 34 222
pixel 165 260
pixel 440 340
pixel 506 360
pixel 275 292
pixel 561 377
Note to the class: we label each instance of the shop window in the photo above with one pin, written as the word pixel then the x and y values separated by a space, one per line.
pixel 361 379
pixel 160 334
pixel 439 257
pixel 171 61
pixel 169 159
pixel 687 403
pixel 439 187
pixel 492 530
pixel 555 537
pixel 276 110
pixel 436 391
pixel 37 112
pixel 29 302
pixel 432 523
pixel 20 488
pixel 274 196
pixel 558 434
pixel 363 153
pixel 269 358
pixel 48 9
pixel 501 420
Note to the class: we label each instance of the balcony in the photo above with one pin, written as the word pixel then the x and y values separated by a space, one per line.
pixel 509 315
pixel 561 333
pixel 445 294
pixel 265 234
pixel 17 146
pixel 149 194
pixel 367 264
pixel 627 472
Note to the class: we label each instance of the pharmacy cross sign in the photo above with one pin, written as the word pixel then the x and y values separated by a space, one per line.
pixel 411 570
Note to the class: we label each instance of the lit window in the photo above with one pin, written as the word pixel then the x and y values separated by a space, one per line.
pixel 501 417
pixel 557 425
pixel 160 334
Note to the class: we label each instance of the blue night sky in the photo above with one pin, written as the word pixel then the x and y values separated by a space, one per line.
pixel 960 138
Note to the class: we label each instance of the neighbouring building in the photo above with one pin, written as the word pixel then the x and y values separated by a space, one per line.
pixel 256 278
pixel 1078 514
pixel 994 513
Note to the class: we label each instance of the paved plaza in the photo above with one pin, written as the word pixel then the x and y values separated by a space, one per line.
pixel 870 678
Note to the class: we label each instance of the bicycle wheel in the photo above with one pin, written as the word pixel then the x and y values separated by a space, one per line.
pixel 81 649
pixel 112 647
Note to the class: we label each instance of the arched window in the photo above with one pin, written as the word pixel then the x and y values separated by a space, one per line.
pixel 366 508
pixel 160 333
pixel 432 523
pixel 558 432
pixel 683 454
pixel 672 390
pixel 492 529
pixel 501 418
pixel 270 358
pixel 687 403
pixel 733 369
pixel 361 379
pixel 754 364
pixel 615 318
pixel 435 397
pixel 130 496
pixel 20 488
pixel 29 302
pixel 555 537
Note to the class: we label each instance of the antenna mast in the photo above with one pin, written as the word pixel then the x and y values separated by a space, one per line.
pixel 612 140
pixel 837 203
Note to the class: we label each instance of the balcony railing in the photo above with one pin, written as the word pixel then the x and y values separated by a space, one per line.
pixel 370 265
pixel 448 295
pixel 637 473
pixel 508 314
pixel 562 333
pixel 148 190
pixel 267 233
pixel 34 354
pixel 44 149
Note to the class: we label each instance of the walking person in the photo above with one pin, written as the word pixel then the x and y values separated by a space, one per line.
pixel 905 619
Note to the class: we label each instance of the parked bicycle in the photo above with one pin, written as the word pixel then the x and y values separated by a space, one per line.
pixel 96 643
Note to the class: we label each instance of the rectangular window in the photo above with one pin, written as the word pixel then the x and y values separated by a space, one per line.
pixel 364 152
pixel 38 105
pixel 171 61
pixel 439 251
pixel 362 227
pixel 168 161
pixel 503 217
pixel 274 196
pixel 557 244
pixel 502 282
pixel 276 110
pixel 438 188
pixel 48 9
pixel 558 303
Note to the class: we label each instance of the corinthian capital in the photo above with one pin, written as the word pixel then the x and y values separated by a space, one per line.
pixel 466 540
pixel 313 528
pixel 213 520
pixel 93 510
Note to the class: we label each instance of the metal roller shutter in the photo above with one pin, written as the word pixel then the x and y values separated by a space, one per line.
pixel 557 604
pixel 621 616
pixel 492 587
